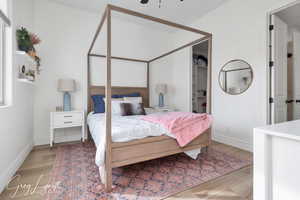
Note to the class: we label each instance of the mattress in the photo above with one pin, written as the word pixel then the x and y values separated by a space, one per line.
pixel 124 129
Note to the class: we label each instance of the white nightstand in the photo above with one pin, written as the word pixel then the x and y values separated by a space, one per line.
pixel 157 109
pixel 66 120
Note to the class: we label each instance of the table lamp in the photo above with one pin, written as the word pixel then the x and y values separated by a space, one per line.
pixel 66 86
pixel 161 89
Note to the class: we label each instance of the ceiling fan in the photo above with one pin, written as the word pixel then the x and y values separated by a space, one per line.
pixel 147 1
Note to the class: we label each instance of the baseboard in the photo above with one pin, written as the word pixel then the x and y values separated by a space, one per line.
pixel 7 174
pixel 60 139
pixel 233 142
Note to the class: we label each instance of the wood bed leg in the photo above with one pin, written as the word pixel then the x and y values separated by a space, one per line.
pixel 102 174
pixel 108 179
pixel 205 149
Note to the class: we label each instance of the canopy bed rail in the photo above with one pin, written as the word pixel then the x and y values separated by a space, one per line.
pixel 121 154
pixel 120 58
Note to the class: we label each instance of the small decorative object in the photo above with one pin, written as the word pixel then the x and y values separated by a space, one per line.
pixel 30 75
pixel 161 89
pixel 58 109
pixel 22 72
pixel 23 68
pixel 66 86
pixel 26 42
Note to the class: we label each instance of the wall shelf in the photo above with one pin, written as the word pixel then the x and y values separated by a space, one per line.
pixel 23 53
pixel 24 80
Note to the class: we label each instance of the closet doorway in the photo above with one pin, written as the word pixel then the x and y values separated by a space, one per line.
pixel 199 77
pixel 285 64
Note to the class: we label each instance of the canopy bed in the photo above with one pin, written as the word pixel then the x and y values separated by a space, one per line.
pixel 117 154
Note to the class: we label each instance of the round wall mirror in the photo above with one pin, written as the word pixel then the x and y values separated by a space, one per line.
pixel 235 77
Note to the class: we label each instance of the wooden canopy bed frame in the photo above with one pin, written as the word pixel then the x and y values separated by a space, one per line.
pixel 125 153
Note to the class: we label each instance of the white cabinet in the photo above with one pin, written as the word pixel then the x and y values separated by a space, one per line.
pixel 277 162
pixel 66 120
pixel 160 109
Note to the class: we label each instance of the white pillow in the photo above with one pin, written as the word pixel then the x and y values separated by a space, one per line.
pixel 115 105
pixel 116 108
pixel 133 99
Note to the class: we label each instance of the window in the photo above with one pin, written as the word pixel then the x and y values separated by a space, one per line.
pixel 4 24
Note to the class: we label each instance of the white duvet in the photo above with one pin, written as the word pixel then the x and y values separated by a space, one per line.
pixel 124 129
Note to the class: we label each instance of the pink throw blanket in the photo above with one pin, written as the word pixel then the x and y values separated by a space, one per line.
pixel 184 126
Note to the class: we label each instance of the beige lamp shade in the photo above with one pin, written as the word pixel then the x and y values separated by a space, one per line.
pixel 161 89
pixel 66 85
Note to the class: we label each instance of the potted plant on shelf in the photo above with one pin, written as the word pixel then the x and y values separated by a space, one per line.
pixel 26 42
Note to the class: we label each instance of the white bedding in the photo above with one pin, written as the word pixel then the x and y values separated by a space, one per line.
pixel 124 129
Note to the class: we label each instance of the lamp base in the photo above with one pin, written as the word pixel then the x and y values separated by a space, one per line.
pixel 161 100
pixel 67 102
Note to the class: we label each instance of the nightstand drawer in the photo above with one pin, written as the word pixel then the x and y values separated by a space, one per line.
pixel 67 119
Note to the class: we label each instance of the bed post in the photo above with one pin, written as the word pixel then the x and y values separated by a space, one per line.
pixel 148 82
pixel 88 109
pixel 209 82
pixel 108 150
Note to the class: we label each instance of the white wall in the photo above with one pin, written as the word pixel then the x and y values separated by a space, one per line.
pixel 239 32
pixel 66 35
pixel 173 70
pixel 16 128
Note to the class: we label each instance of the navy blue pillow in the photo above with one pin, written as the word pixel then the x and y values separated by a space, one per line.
pixel 129 95
pixel 99 105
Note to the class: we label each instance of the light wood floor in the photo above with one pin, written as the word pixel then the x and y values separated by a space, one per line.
pixel 36 168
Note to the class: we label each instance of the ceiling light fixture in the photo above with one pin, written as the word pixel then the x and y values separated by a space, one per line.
pixel 159 2
pixel 144 1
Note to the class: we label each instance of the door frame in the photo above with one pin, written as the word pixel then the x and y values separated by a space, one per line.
pixel 209 48
pixel 273 11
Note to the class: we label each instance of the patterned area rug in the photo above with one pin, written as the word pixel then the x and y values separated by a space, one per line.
pixel 77 178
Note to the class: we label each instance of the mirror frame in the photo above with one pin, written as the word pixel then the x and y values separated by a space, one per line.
pixel 234 60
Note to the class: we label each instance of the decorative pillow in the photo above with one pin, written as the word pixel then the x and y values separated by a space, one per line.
pixel 138 109
pixel 99 104
pixel 114 99
pixel 129 95
pixel 126 109
pixel 116 108
pixel 133 95
pixel 129 108
pixel 115 105
pixel 134 99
